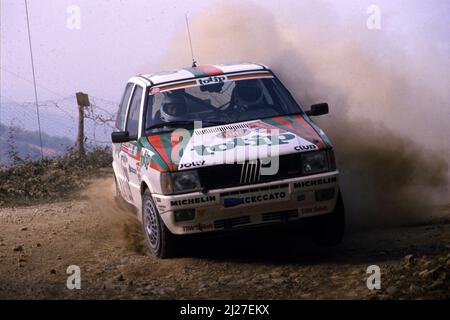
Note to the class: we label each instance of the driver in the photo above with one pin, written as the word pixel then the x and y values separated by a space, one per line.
pixel 173 107
pixel 247 93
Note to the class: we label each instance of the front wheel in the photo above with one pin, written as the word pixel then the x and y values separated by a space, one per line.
pixel 160 240
pixel 329 228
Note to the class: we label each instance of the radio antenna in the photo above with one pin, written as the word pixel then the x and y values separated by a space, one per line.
pixel 194 63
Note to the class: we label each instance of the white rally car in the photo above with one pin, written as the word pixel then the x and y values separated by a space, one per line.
pixel 222 147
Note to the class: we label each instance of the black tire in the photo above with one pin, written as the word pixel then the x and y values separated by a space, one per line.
pixel 329 229
pixel 161 241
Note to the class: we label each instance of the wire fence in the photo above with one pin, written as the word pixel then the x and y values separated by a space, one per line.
pixel 58 121
pixel 59 126
pixel 54 121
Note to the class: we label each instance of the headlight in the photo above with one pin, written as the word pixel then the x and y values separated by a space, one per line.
pixel 314 162
pixel 180 182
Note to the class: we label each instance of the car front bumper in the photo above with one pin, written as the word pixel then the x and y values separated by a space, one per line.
pixel 245 206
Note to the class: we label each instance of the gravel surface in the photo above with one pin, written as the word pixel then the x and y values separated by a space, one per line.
pixel 91 230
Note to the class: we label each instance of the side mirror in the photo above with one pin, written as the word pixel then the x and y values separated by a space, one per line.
pixel 120 136
pixel 318 109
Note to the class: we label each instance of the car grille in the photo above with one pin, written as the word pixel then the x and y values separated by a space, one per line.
pixel 266 217
pixel 229 223
pixel 249 172
pixel 280 216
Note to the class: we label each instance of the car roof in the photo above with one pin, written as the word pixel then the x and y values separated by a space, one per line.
pixel 200 71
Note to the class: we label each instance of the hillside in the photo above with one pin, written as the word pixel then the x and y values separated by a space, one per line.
pixel 26 143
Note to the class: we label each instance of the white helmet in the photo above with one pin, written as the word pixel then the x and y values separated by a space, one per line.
pixel 248 93
pixel 173 107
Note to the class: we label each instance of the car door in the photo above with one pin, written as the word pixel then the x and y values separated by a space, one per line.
pixel 130 151
pixel 119 158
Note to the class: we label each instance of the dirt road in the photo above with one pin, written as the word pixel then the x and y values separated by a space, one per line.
pixel 90 230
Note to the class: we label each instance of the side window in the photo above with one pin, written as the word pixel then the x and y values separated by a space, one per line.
pixel 133 114
pixel 123 107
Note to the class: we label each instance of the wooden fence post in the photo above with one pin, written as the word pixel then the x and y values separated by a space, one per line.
pixel 82 101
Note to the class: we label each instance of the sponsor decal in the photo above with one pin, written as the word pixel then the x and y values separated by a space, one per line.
pixel 199 227
pixel 316 209
pixel 307 147
pixel 131 150
pixel 138 169
pixel 146 158
pixel 256 140
pixel 131 169
pixel 232 202
pixel 197 200
pixel 235 201
pixel 211 80
pixel 315 182
pixel 233 133
pixel 192 164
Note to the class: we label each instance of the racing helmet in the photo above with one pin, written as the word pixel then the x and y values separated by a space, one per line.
pixel 248 93
pixel 173 107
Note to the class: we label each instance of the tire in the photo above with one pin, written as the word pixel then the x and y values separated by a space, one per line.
pixel 329 229
pixel 161 241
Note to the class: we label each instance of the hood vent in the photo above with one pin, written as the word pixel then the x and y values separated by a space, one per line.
pixel 226 128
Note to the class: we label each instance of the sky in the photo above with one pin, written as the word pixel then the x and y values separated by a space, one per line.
pixel 117 39
pixel 114 41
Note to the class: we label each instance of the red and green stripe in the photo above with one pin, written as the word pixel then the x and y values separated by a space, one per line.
pixel 297 125
pixel 156 162
pixel 204 71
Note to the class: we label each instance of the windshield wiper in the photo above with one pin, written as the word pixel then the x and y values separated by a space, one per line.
pixel 184 123
pixel 170 124
pixel 216 123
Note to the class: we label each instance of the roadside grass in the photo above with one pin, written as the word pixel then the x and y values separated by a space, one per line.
pixel 26 181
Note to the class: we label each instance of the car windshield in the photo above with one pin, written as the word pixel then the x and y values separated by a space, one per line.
pixel 217 101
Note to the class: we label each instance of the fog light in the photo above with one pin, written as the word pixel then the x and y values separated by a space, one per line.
pixel 325 194
pixel 184 215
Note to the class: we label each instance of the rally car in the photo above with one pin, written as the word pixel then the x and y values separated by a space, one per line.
pixel 222 147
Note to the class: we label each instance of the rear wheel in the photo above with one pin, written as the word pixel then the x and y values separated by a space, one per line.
pixel 329 228
pixel 160 240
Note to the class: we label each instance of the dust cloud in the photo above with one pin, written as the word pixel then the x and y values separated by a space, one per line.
pixel 388 108
pixel 124 225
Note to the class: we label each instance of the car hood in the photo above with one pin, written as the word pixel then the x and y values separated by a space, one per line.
pixel 232 143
